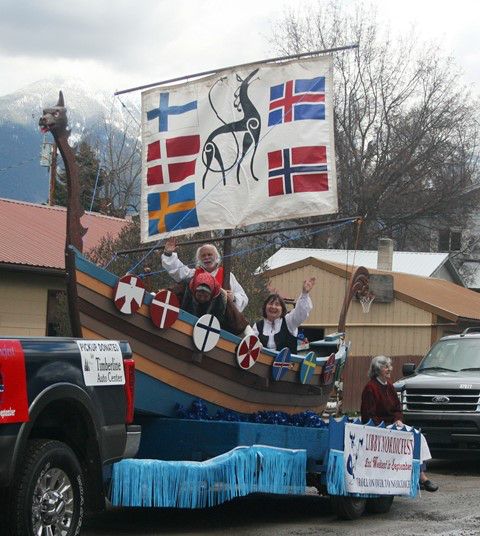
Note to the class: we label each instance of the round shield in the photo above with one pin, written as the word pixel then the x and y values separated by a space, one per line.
pixel 281 364
pixel 328 370
pixel 307 368
pixel 128 294
pixel 164 309
pixel 248 351
pixel 206 332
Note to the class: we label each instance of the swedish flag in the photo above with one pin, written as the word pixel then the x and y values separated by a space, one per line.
pixel 170 211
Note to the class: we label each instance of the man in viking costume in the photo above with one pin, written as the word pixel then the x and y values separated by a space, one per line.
pixel 207 260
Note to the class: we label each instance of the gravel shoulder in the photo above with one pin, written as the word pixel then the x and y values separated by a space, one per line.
pixel 451 511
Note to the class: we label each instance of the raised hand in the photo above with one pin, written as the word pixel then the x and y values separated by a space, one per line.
pixel 170 245
pixel 308 285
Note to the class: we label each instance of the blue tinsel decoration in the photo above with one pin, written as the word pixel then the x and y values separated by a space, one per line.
pixel 199 411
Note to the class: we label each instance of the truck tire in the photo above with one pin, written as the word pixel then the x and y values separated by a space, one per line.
pixel 379 505
pixel 348 507
pixel 47 496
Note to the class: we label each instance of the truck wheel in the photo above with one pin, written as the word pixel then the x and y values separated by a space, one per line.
pixel 48 494
pixel 379 505
pixel 348 507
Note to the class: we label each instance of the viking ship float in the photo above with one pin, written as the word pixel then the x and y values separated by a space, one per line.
pixel 280 133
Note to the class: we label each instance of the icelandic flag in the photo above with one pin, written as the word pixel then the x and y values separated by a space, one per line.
pixel 296 100
pixel 174 159
pixel 170 211
pixel 185 114
pixel 297 169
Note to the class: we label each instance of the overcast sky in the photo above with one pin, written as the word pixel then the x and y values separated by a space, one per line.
pixel 116 44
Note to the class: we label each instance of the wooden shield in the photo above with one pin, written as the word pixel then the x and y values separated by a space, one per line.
pixel 128 294
pixel 164 309
pixel 248 351
pixel 281 364
pixel 307 368
pixel 206 332
pixel 328 371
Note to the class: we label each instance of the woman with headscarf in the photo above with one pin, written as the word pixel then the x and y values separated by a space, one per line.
pixel 204 295
pixel 380 402
pixel 279 329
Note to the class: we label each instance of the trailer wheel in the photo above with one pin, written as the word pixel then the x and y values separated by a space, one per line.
pixel 379 505
pixel 47 496
pixel 348 507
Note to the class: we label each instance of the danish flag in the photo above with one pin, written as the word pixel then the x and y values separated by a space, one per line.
pixel 173 159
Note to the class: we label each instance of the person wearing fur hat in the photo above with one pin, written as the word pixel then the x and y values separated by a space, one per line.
pixel 207 260
pixel 204 295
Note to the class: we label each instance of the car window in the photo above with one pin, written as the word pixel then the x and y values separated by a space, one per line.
pixel 453 354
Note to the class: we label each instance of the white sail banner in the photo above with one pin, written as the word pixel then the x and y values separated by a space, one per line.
pixel 243 146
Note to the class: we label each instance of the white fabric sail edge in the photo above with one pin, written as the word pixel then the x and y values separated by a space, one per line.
pixel 288 169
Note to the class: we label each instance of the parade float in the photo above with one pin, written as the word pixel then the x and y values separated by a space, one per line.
pixel 235 147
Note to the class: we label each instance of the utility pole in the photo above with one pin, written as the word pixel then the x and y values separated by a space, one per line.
pixel 53 174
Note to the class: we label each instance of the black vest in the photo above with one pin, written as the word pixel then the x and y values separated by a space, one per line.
pixel 282 339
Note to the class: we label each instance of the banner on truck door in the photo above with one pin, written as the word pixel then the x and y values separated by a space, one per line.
pixel 378 460
pixel 102 362
pixel 13 383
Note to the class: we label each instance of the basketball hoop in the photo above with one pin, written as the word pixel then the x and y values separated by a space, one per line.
pixel 366 301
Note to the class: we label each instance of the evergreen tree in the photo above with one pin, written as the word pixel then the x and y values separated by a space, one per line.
pixel 88 168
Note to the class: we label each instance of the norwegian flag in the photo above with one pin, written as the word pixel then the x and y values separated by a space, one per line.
pixel 164 309
pixel 128 294
pixel 173 159
pixel 297 169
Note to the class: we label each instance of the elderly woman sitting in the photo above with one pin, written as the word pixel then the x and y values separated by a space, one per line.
pixel 380 403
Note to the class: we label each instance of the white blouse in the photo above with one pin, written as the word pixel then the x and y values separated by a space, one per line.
pixel 294 319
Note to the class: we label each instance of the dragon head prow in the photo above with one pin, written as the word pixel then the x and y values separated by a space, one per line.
pixel 54 119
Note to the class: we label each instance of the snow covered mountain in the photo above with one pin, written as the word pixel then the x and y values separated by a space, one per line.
pixel 21 176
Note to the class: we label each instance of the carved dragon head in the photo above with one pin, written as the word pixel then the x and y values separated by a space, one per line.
pixel 54 119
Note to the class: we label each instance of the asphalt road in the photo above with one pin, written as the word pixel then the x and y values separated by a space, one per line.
pixel 452 511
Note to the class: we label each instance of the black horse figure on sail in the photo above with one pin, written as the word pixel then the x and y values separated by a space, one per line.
pixel 249 124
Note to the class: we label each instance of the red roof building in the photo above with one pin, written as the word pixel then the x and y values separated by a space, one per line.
pixel 32 264
pixel 33 235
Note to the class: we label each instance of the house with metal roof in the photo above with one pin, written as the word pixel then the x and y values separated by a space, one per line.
pixel 32 263
pixel 419 311
pixel 421 263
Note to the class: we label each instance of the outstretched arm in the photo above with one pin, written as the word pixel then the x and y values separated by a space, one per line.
pixel 172 264
pixel 302 308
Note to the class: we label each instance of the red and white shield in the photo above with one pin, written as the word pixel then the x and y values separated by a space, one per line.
pixel 248 351
pixel 128 294
pixel 164 309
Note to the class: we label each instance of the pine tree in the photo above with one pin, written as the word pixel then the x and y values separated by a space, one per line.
pixel 88 168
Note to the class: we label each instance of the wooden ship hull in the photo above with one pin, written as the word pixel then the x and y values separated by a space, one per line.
pixel 171 371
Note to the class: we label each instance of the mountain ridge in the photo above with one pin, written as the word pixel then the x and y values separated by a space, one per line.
pixel 89 111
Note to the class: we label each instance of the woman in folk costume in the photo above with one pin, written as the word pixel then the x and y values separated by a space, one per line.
pixel 380 403
pixel 208 260
pixel 279 329
pixel 204 295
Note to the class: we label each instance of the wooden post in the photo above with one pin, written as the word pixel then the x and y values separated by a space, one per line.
pixel 53 175
pixel 227 258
